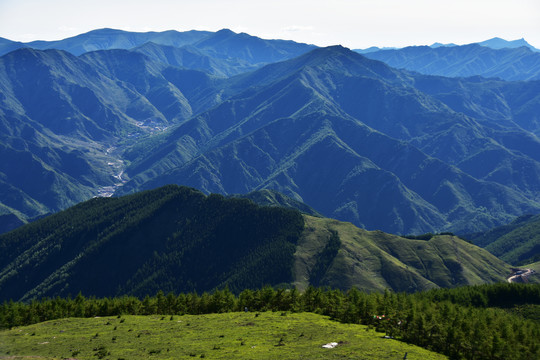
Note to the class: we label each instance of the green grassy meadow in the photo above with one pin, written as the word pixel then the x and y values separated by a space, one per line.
pixel 267 335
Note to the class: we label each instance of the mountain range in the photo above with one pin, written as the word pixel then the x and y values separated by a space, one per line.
pixel 304 114
pixel 177 239
pixel 520 63
pixel 493 43
pixel 498 43
pixel 351 137
pixel 224 44
pixel 61 115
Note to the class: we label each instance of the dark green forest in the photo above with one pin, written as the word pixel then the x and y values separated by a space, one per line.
pixel 172 239
pixel 498 321
pixel 177 239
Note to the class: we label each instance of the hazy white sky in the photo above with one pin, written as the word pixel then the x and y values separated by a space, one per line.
pixel 351 23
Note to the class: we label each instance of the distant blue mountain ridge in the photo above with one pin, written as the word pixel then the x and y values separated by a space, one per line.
pixel 493 43
pixel 498 43
pixel 495 58
pixel 107 39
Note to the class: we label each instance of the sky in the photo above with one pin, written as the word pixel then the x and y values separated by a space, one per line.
pixel 356 24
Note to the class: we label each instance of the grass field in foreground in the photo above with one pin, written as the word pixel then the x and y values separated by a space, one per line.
pixel 216 336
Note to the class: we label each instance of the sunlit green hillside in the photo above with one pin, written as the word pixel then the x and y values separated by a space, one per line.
pixel 376 260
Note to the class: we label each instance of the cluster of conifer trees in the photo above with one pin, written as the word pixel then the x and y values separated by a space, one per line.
pixel 469 322
pixel 172 239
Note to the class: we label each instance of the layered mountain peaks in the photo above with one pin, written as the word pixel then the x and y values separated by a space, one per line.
pixel 505 62
pixel 352 137
pixel 498 43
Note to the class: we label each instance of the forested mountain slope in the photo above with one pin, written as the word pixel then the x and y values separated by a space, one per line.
pixel 170 239
pixel 178 239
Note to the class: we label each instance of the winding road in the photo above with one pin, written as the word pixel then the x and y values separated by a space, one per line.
pixel 520 275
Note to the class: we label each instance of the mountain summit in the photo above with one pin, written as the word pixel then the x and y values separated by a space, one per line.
pixel 498 43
